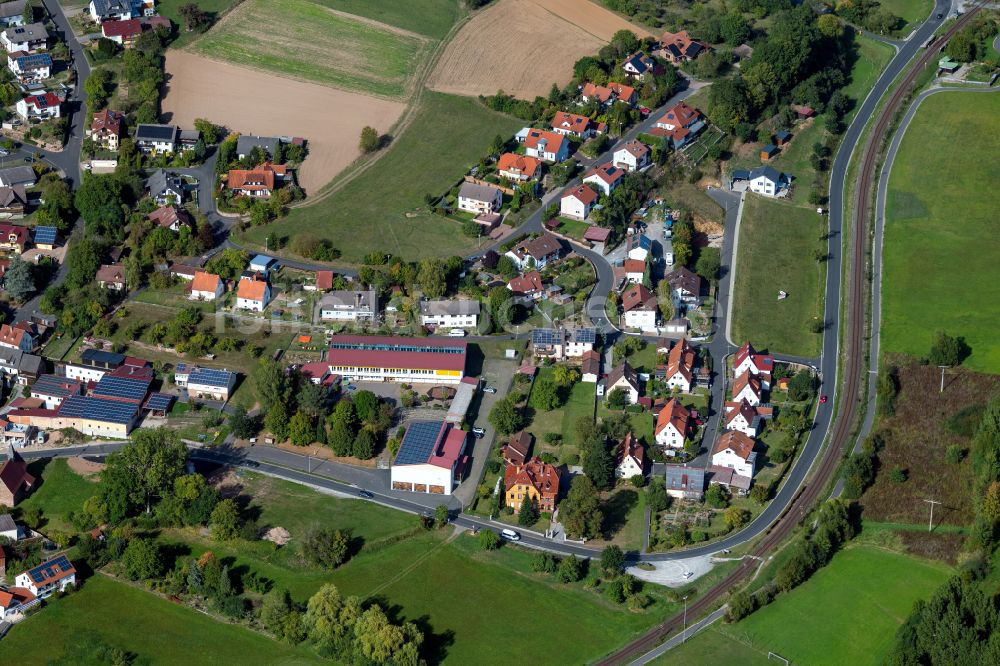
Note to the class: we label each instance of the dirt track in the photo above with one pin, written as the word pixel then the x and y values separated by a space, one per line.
pixel 254 102
pixel 523 47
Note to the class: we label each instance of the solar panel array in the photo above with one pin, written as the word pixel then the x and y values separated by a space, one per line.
pixel 45 235
pixel 34 59
pixel 384 347
pixel 419 442
pixel 98 409
pixel 159 402
pixel 54 386
pixel 210 377
pixel 585 335
pixel 102 357
pixel 133 390
pixel 49 569
pixel 546 336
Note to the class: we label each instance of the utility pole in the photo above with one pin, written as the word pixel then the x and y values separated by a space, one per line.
pixel 684 633
pixel 930 523
pixel 943 367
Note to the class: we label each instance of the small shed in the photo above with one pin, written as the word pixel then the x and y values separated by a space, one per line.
pixel 782 137
pixel 803 111
pixel 263 263
pixel 946 64
pixel 768 151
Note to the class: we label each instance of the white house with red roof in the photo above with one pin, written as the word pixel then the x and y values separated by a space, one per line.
pixel 45 105
pixel 639 308
pixel 633 156
pixel 14 599
pixel 605 177
pixel 742 417
pixel 431 458
pixel 680 124
pixel 672 425
pixel 518 168
pixel 578 202
pixel 630 458
pixel 747 387
pixel 576 125
pixel 748 359
pixel 547 146
pixel 634 270
pixel 122 33
pixel 527 288
pixel 609 94
pixel 680 366
pixel 734 450
pixel 53 575
pixel 253 293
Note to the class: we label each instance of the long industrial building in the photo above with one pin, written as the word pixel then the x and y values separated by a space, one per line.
pixel 397 359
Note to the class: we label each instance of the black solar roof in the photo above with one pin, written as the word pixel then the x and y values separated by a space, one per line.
pixel 210 377
pixel 98 409
pixel 159 402
pixel 124 388
pixel 546 336
pixel 585 335
pixel 49 569
pixel 102 357
pixel 158 132
pixel 46 235
pixel 418 443
pixel 54 386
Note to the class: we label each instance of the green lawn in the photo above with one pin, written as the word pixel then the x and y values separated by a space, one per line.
pixel 847 613
pixel 305 40
pixel 776 252
pixel 447 137
pixel 150 627
pixel 911 11
pixel 171 9
pixel 432 18
pixel 61 490
pixel 579 404
pixel 871 58
pixel 940 268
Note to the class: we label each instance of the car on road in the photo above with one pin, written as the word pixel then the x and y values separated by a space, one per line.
pixel 365 494
pixel 478 432
pixel 490 389
pixel 510 535
pixel 688 574
pixel 4 153
pixel 352 387
pixel 822 400
pixel 940 16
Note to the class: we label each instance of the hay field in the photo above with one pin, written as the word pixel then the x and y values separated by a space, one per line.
pixel 303 40
pixel 251 101
pixel 524 46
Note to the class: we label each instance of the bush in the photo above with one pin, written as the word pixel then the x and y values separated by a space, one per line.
pixel 570 569
pixel 326 547
pixel 488 540
pixel 740 605
pixel 638 480
pixel 898 475
pixel 954 455
pixel 543 562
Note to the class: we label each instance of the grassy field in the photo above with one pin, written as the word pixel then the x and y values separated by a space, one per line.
pixel 847 613
pixel 776 252
pixel 152 628
pixel 384 207
pixel 940 268
pixel 306 41
pixel 432 18
pixel 871 58
pixel 911 11
pixel 61 490
pixel 171 9
pixel 579 404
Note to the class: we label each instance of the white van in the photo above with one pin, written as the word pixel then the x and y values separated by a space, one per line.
pixel 456 333
pixel 510 535
pixel 670 258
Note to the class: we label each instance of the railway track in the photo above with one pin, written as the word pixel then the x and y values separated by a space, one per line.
pixel 853 372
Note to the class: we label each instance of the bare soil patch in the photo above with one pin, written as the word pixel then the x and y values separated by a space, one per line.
pixel 251 101
pixel 85 468
pixel 524 46
pixel 277 535
pixel 916 440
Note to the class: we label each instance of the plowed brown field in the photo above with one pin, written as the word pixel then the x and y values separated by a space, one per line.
pixel 254 102
pixel 524 46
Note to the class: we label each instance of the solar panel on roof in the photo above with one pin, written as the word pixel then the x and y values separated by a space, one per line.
pixel 419 442
pixel 47 570
pixel 585 335
pixel 125 388
pixel 98 409
pixel 210 377
pixel 159 402
pixel 546 336
pixel 45 235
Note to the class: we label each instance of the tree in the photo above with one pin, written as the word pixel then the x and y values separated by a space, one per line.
pixel 570 569
pixel 141 560
pixel 96 87
pixel 598 461
pixel 210 132
pixel 326 619
pixel 948 350
pixel 300 429
pixel 369 140
pixel 19 279
pixel 225 520
pixel 276 421
pixel 364 445
pixel 506 417
pixel 709 264
pixel 736 517
pixel 507 268
pixel 194 18
pixel 616 399
pixel 441 515
pixel 432 278
pixel 801 386
pixel 326 547
pixel 542 562
pixel 613 560
pixel 656 495
pixel 565 376
pixel 716 496
pixel 145 468
pixel 312 399
pixel 528 514
pixel 99 200
pixel 581 510
pixel 341 439
pixel 488 540
pixel 274 611
pixel 241 425
pixel 830 26
pixel 545 395
pixel 365 405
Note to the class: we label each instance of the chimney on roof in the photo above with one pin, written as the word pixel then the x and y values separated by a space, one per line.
pixel 357 299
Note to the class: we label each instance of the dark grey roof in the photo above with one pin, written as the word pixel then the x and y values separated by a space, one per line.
pixel 105 7
pixel 247 142
pixel 685 478
pixel 10 9
pixel 478 192
pixel 348 298
pixel 19 175
pixel 449 307
pixel 769 172
pixel 7 523
pixel 102 357
pixel 161 181
pixel 31 364
pixel 741 174
pixel 26 33
pixel 147 132
pixel 10 357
